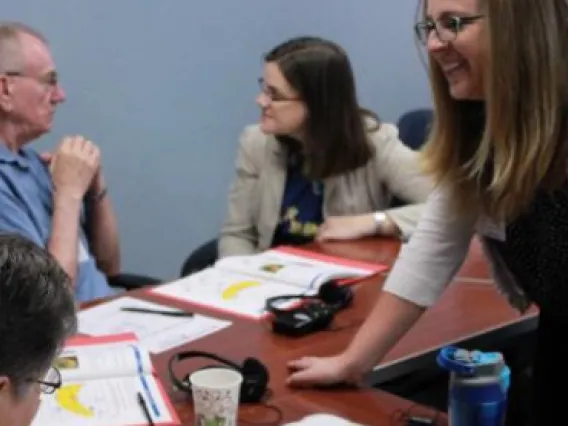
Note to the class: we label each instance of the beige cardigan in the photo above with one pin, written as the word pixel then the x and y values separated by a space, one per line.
pixel 428 263
pixel 256 193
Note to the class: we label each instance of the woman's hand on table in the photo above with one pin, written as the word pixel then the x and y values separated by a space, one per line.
pixel 328 371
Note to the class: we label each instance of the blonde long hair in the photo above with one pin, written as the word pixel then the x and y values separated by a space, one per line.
pixel 496 154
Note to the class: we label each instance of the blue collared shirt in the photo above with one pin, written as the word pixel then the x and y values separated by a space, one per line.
pixel 26 208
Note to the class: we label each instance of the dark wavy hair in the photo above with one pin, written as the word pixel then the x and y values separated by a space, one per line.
pixel 320 71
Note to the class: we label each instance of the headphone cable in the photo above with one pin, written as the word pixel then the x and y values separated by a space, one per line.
pixel 277 421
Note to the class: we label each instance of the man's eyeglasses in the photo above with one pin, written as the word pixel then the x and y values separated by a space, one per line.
pixel 273 94
pixel 50 79
pixel 51 382
pixel 446 28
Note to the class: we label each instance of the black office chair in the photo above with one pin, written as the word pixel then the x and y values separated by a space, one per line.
pixel 124 280
pixel 127 281
pixel 202 257
pixel 413 127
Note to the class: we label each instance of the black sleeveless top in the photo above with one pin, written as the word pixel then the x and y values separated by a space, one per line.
pixel 536 251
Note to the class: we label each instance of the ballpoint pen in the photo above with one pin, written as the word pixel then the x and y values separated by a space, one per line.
pixel 144 406
pixel 157 312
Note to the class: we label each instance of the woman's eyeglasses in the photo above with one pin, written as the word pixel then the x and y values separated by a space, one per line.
pixel 446 28
pixel 273 94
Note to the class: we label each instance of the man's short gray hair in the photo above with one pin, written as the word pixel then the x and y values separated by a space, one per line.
pixel 11 58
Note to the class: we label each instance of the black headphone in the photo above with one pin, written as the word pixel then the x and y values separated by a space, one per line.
pixel 313 316
pixel 255 375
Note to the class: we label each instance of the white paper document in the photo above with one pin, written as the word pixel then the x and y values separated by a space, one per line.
pixel 157 333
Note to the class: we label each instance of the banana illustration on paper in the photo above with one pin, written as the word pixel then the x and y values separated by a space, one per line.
pixel 68 398
pixel 233 290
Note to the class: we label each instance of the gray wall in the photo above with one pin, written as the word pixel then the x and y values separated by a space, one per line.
pixel 165 87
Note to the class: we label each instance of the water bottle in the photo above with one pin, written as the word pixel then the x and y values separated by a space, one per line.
pixel 479 383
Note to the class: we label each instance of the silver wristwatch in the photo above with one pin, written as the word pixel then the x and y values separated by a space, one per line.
pixel 380 219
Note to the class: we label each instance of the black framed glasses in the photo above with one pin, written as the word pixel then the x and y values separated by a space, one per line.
pixel 273 94
pixel 446 28
pixel 51 381
pixel 50 79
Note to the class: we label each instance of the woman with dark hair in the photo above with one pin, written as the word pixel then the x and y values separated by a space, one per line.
pixel 317 166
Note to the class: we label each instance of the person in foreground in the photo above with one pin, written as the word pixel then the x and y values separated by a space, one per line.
pixel 58 201
pixel 317 166
pixel 37 314
pixel 498 152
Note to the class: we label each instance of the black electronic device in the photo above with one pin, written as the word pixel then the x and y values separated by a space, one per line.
pixel 315 315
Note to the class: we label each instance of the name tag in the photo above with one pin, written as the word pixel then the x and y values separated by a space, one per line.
pixel 490 228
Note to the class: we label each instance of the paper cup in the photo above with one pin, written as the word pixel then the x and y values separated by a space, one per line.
pixel 216 396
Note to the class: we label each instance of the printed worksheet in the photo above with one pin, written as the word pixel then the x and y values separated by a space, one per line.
pixel 157 333
pixel 103 379
pixel 103 402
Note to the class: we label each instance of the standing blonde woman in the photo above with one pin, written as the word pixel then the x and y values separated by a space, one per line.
pixel 499 78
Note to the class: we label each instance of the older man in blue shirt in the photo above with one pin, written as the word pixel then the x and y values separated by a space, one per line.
pixel 59 201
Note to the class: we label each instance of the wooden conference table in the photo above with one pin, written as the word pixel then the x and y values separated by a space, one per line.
pixel 470 308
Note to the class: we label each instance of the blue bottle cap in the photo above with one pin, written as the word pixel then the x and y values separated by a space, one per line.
pixel 470 363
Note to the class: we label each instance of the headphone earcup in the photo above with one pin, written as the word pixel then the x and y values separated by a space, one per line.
pixel 335 295
pixel 254 369
pixel 255 380
pixel 182 384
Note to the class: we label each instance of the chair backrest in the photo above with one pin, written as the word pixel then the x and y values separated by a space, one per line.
pixel 414 126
